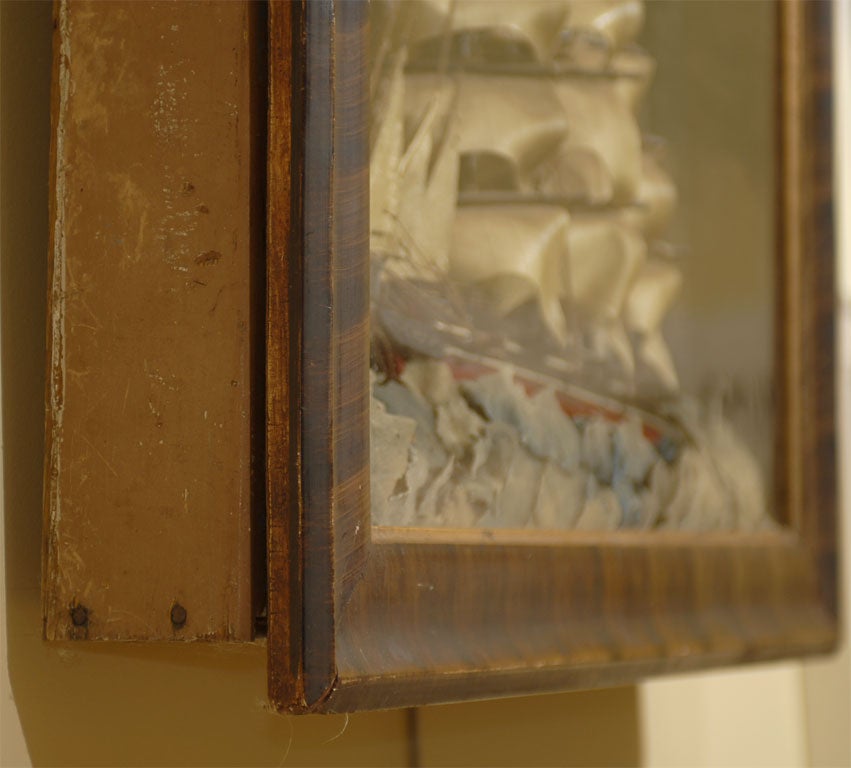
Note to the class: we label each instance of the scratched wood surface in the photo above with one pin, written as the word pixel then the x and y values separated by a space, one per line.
pixel 148 484
pixel 283 421
pixel 370 619
pixel 317 335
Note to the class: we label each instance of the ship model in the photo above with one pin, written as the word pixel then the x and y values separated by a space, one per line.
pixel 520 280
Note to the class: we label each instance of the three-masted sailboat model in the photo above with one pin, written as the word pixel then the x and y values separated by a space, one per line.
pixel 521 378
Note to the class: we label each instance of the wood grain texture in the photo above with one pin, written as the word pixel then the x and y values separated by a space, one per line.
pixel 283 419
pixel 405 618
pixel 811 308
pixel 148 483
pixel 318 362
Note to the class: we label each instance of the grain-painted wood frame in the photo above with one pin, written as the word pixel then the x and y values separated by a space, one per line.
pixel 368 619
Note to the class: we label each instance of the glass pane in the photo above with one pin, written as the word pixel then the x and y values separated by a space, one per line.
pixel 572 247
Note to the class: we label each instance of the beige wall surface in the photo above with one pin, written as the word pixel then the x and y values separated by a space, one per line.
pixel 135 704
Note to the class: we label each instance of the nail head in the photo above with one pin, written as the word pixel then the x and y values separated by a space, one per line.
pixel 79 616
pixel 178 615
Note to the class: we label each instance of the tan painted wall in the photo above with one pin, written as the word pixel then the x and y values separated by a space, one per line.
pixel 186 705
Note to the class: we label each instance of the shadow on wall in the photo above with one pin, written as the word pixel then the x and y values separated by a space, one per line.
pixel 191 704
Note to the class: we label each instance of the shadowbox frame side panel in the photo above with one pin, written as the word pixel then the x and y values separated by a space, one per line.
pixel 318 399
pixel 283 343
pixel 815 283
pixel 645 605
pixel 403 618
pixel 335 312
pixel 806 306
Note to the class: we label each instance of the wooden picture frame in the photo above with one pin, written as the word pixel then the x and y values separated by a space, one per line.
pixel 368 619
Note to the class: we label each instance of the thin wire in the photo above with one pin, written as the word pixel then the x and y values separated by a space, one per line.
pixel 342 730
pixel 289 743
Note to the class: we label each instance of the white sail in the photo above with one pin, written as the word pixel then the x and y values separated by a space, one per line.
pixel 385 157
pixel 428 174
pixel 534 23
pixel 604 258
pixel 618 22
pixel 516 121
pixel 603 140
pixel 513 254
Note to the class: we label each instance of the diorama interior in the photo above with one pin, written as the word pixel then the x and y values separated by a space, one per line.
pixel 573 258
